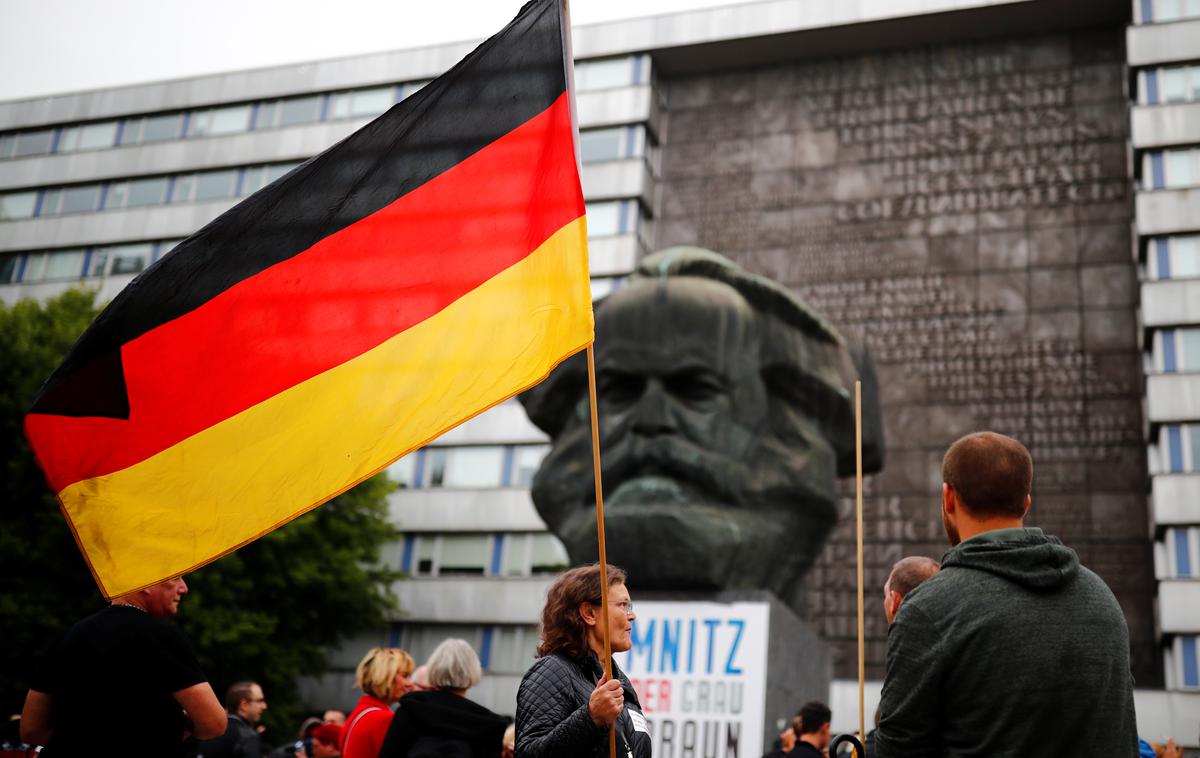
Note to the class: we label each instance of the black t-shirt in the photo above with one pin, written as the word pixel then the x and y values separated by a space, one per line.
pixel 116 669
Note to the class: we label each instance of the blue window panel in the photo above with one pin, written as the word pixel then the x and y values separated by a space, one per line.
pixel 1191 672
pixel 187 120
pixel 37 203
pixel 24 259
pixel 170 194
pixel 395 635
pixel 1170 363
pixel 1147 11
pixel 497 554
pixel 120 132
pixel 87 260
pixel 1163 257
pixel 253 117
pixel 419 470
pixel 1152 87
pixel 239 187
pixel 1157 175
pixel 56 139
pixel 639 67
pixel 410 543
pixel 1175 448
pixel 624 224
pixel 1183 557
pixel 506 467
pixel 485 647
pixel 325 107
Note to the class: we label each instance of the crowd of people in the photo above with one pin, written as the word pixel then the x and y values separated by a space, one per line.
pixel 1007 647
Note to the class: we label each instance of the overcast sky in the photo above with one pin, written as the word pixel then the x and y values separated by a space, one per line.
pixel 50 46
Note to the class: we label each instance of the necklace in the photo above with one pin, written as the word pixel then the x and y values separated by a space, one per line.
pixel 130 605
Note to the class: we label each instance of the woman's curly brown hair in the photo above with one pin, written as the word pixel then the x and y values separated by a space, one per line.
pixel 563 630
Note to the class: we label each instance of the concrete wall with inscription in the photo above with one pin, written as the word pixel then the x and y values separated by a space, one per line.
pixel 967 209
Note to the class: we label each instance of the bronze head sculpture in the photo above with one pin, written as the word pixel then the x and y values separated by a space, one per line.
pixel 726 416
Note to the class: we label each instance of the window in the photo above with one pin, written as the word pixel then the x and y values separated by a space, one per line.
pixel 14 205
pixel 605 219
pixel 88 137
pixel 530 554
pixel 468 554
pixel 78 199
pixel 1183 553
pixel 1168 169
pixel 512 649
pixel 526 459
pixel 1174 257
pixel 289 112
pixel 214 121
pixel 137 193
pixel 611 144
pixel 1186 667
pixel 49 266
pixel 404 471
pixel 613 72
pixel 120 259
pixel 152 128
pixel 1159 11
pixel 9 268
pixel 1177 349
pixel 363 102
pixel 1178 449
pixel 466 467
pixel 33 143
pixel 205 185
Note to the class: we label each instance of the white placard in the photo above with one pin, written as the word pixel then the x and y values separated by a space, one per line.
pixel 700 671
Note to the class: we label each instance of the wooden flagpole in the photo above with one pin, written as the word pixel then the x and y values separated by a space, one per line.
pixel 862 649
pixel 591 362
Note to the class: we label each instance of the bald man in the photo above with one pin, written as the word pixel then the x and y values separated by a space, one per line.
pixel 905 576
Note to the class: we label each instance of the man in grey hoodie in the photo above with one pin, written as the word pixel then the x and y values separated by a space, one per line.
pixel 1013 648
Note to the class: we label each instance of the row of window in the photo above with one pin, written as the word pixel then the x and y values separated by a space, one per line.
pixel 502 648
pixel 199 186
pixel 1170 169
pixel 1177 450
pixel 501 554
pixel 191 187
pixel 116 260
pixel 268 114
pixel 1169 84
pixel 1176 350
pixel 469 467
pixel 1162 11
pixel 1183 553
pixel 81 263
pixel 1173 257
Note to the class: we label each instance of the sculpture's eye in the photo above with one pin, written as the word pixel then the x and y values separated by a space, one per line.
pixel 695 387
pixel 618 389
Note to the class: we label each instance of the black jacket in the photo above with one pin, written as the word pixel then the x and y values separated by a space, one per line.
pixel 440 724
pixel 552 714
pixel 1012 650
pixel 239 741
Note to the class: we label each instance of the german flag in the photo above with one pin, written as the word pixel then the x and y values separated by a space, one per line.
pixel 424 269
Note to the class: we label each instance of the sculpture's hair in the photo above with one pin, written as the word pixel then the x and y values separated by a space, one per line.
pixel 237 692
pixel 992 474
pixel 909 572
pixel 453 665
pixel 563 629
pixel 813 715
pixel 376 672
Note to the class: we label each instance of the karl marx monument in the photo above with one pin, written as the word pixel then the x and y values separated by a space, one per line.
pixel 726 412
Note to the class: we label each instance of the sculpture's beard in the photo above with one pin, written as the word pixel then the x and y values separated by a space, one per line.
pixel 679 517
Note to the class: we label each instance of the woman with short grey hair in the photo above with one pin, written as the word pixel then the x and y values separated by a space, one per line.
pixel 441 721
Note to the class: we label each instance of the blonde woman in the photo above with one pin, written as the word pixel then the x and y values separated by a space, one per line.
pixel 382 675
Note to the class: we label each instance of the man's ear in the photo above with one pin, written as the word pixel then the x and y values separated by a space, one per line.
pixel 1028 502
pixel 949 498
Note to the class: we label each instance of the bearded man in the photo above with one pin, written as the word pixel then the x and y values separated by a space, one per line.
pixel 726 415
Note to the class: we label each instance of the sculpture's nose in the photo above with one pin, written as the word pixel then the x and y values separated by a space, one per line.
pixel 652 414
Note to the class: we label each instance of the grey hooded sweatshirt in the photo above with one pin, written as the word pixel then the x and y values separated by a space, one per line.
pixel 1012 649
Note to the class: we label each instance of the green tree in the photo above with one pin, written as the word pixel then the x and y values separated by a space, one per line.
pixel 266 612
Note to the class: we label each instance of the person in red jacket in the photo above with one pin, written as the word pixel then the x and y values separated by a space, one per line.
pixel 383 676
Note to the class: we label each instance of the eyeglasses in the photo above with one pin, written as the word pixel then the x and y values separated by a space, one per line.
pixel 627 606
